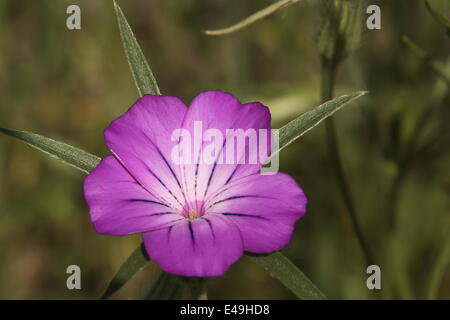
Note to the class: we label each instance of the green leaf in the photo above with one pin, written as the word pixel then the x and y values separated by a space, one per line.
pixel 284 270
pixel 252 18
pixel 340 28
pixel 438 17
pixel 135 262
pixel 143 76
pixel 168 287
pixel 436 66
pixel 302 124
pixel 146 84
pixel 77 158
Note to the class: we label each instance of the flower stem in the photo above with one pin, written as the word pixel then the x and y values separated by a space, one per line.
pixel 329 69
pixel 198 290
pixel 172 287
pixel 438 270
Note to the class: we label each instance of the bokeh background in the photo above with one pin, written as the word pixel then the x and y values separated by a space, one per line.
pixel 69 85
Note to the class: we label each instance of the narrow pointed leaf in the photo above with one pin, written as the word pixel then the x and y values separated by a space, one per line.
pixel 252 18
pixel 135 262
pixel 436 66
pixel 299 126
pixel 143 76
pixel 146 84
pixel 289 275
pixel 441 19
pixel 167 287
pixel 77 158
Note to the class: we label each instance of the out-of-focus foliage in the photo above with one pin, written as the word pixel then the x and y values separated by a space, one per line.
pixel 70 84
pixel 340 28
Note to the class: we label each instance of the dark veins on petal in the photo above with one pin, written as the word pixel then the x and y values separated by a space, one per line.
pixel 162 183
pixel 196 175
pixel 210 226
pixel 237 197
pixel 214 167
pixel 191 231
pixel 243 215
pixel 169 230
pixel 161 213
pixel 231 176
pixel 149 201
pixel 170 168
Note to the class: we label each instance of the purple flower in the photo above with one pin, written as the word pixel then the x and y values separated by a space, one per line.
pixel 196 219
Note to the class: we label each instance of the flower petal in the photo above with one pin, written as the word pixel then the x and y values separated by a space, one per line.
pixel 119 205
pixel 222 111
pixel 204 247
pixel 264 207
pixel 141 140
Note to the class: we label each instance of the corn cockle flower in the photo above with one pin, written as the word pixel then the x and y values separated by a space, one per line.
pixel 196 218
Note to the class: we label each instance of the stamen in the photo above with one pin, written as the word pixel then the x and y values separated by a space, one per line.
pixel 192 214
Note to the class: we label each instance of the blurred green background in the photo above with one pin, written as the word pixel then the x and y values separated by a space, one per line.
pixel 69 85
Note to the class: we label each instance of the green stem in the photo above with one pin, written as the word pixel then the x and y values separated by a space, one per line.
pixel 394 196
pixel 397 275
pixel 168 287
pixel 329 68
pixel 440 267
pixel 172 287
pixel 197 287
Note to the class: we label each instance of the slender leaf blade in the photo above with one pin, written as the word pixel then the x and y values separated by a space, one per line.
pixel 142 74
pixel 170 287
pixel 441 19
pixel 435 65
pixel 73 156
pixel 135 262
pixel 167 286
pixel 289 275
pixel 252 18
pixel 302 124
pixel 146 84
